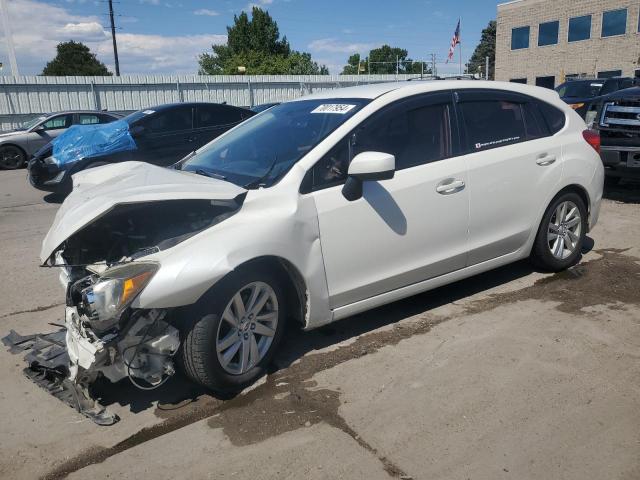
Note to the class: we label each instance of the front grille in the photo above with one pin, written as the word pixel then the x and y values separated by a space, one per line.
pixel 623 115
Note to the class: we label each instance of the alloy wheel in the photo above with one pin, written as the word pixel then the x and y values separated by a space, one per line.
pixel 565 228
pixel 247 328
pixel 10 157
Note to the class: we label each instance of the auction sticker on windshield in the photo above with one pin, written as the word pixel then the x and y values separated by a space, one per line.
pixel 340 108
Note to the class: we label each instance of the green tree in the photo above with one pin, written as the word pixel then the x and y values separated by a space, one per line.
pixel 75 58
pixel 256 45
pixel 383 61
pixel 486 48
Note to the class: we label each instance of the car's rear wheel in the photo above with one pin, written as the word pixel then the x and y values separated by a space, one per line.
pixel 558 244
pixel 12 157
pixel 231 334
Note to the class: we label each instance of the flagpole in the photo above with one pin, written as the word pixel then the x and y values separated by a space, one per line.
pixel 460 43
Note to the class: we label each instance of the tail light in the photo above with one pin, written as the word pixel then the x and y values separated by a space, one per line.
pixel 593 138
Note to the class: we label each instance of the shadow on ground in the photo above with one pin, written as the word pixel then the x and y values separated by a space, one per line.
pixel 626 191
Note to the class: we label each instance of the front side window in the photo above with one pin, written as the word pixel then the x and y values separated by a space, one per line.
pixel 169 120
pixel 548 33
pixel 520 38
pixel 580 28
pixel 415 135
pixel 261 150
pixel 614 22
pixel 56 123
pixel 218 115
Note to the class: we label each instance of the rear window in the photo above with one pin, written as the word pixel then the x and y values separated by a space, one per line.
pixel 553 117
pixel 580 89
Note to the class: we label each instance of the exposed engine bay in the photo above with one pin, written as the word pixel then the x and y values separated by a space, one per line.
pixel 104 270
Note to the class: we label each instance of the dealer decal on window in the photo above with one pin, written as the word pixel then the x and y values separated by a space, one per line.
pixel 496 142
pixel 340 108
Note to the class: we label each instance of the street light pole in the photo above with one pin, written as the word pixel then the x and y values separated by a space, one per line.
pixel 113 36
pixel 4 13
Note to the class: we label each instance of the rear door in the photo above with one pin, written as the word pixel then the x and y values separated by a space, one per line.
pixel 167 135
pixel 513 165
pixel 213 120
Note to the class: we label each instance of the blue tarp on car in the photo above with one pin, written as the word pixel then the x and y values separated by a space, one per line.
pixel 84 141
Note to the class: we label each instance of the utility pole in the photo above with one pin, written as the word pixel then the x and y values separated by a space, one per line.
pixel 433 64
pixel 4 13
pixel 486 68
pixel 113 36
pixel 397 64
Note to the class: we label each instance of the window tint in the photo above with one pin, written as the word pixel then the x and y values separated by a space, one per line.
pixel 218 115
pixel 415 136
pixel 614 22
pixel 520 38
pixel 170 120
pixel 56 123
pixel 548 33
pixel 534 126
pixel 580 28
pixel 88 119
pixel 554 117
pixel 492 124
pixel 106 118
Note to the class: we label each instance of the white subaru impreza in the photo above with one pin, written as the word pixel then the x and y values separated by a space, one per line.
pixel 315 210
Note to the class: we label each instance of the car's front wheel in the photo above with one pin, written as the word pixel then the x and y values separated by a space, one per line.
pixel 230 335
pixel 11 157
pixel 558 244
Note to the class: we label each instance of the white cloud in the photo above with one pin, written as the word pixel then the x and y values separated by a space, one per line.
pixel 335 46
pixel 38 27
pixel 206 12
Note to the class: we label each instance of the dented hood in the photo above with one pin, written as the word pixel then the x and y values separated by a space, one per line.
pixel 98 190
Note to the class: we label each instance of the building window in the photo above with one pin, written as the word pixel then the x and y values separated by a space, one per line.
pixel 518 80
pixel 548 33
pixel 546 82
pixel 580 28
pixel 610 73
pixel 520 38
pixel 614 22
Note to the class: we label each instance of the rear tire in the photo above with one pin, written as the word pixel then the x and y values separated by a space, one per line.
pixel 561 234
pixel 227 346
pixel 12 157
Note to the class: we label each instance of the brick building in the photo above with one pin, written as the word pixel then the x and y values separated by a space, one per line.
pixel 542 42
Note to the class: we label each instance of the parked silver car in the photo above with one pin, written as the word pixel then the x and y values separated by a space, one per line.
pixel 17 146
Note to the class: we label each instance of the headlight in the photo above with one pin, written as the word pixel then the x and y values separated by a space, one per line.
pixel 576 106
pixel 115 290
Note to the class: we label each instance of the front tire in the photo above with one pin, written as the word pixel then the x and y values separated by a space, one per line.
pixel 231 334
pixel 561 234
pixel 12 157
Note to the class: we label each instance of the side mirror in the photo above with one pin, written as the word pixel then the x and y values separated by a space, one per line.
pixel 366 167
pixel 136 131
pixel 38 129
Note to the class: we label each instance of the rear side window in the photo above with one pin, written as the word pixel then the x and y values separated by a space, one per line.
pixel 218 115
pixel 88 119
pixel 493 124
pixel 553 117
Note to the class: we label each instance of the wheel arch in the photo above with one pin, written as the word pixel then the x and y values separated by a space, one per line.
pixel 24 152
pixel 580 191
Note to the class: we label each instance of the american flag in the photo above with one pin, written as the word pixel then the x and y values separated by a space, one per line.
pixel 454 42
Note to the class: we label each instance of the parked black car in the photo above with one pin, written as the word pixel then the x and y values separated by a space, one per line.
pixel 583 94
pixel 160 135
pixel 619 124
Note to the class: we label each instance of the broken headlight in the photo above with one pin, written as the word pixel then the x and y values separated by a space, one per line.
pixel 114 291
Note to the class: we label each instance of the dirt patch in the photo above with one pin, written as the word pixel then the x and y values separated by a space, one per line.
pixel 290 400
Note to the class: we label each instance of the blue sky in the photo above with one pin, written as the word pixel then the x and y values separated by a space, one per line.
pixel 165 36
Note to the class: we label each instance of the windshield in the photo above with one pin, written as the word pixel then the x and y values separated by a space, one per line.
pixel 580 89
pixel 262 149
pixel 31 123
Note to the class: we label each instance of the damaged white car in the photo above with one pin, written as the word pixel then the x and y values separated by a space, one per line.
pixel 314 210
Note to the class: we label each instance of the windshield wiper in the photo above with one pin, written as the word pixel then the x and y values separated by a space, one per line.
pixel 259 182
pixel 204 173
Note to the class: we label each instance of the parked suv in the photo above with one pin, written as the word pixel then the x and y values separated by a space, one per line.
pixel 314 210
pixel 159 135
pixel 619 125
pixel 584 95
pixel 17 146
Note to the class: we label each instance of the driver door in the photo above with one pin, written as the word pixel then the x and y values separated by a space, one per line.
pixel 404 230
pixel 49 130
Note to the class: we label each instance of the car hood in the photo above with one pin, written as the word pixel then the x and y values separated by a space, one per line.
pixel 98 190
pixel 13 133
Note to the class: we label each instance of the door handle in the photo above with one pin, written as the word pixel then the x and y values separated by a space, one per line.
pixel 545 159
pixel 449 186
